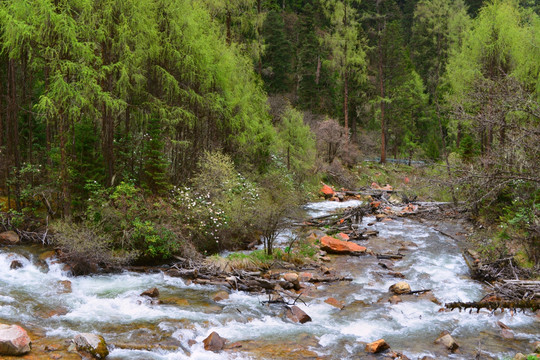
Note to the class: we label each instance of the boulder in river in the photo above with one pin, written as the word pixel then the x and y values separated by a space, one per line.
pixel 447 340
pixel 15 264
pixel 214 342
pixel 153 293
pixel 335 246
pixel 377 346
pixel 297 315
pixel 400 288
pixel 91 344
pixel 14 340
pixel 9 238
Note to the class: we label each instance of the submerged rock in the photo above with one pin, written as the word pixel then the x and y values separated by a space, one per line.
pixel 335 303
pixel 214 342
pixel 64 286
pixel 9 238
pixel 92 344
pixel 220 295
pixel 14 340
pixel 377 346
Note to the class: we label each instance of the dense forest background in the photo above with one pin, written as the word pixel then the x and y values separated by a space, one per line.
pixel 167 123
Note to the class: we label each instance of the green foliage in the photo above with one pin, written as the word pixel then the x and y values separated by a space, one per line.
pixel 155 241
pixel 296 145
pixel 155 164
pixel 468 149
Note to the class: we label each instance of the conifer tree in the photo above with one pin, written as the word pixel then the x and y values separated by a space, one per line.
pixel 347 46
pixel 277 55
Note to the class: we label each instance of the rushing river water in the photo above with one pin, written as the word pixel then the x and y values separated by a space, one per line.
pixel 34 297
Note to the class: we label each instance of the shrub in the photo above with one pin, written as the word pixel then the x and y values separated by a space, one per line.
pixel 85 248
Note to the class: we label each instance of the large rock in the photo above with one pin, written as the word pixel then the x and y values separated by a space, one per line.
pixel 295 314
pixel 92 344
pixel 9 238
pixel 327 191
pixel 377 346
pixel 335 246
pixel 214 342
pixel 14 340
pixel 447 340
pixel 400 288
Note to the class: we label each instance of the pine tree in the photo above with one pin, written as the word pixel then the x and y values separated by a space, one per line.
pixel 277 56
pixel 347 45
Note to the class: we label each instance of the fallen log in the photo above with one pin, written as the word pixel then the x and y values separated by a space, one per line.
pixel 532 305
pixel 390 256
pixel 329 279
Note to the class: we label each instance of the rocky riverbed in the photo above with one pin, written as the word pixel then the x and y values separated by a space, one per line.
pixel 347 317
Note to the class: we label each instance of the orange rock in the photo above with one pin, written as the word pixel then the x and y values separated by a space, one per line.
pixel 342 236
pixel 334 302
pixel 377 346
pixel 375 204
pixel 305 276
pixel 406 180
pixel 214 342
pixel 327 191
pixel 410 208
pixel 333 245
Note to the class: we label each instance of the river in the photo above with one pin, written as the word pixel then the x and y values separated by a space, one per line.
pixel 35 297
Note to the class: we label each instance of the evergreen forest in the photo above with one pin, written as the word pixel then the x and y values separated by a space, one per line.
pixel 134 131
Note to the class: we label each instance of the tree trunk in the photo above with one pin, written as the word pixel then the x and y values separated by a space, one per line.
pixel 12 139
pixel 346 103
pixel 48 135
pixel 228 22
pixel 346 82
pixel 64 172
